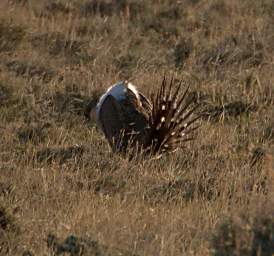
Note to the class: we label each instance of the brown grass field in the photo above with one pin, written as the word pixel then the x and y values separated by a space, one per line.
pixel 63 192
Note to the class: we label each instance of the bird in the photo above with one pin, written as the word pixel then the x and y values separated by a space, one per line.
pixel 132 123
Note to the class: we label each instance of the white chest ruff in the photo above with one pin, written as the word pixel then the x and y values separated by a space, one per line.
pixel 119 92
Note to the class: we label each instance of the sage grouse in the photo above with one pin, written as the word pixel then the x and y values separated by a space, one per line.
pixel 132 123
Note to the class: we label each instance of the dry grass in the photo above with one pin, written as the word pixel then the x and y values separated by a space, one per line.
pixel 63 191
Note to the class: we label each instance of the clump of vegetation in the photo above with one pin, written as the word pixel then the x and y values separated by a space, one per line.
pixel 29 70
pixel 10 36
pixel 54 7
pixel 34 133
pixel 246 234
pixel 61 154
pixel 182 52
pixel 5 93
pixel 9 230
pixel 129 9
pixel 233 109
pixel 57 44
pixel 75 246
pixel 6 221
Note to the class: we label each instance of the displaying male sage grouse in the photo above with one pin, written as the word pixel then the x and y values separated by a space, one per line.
pixel 131 123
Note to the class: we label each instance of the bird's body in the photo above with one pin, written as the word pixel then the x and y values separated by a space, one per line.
pixel 129 120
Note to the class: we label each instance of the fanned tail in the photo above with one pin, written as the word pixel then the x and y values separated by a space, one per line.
pixel 172 119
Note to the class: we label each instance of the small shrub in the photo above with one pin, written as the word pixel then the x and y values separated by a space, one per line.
pixel 182 52
pixel 29 70
pixel 75 246
pixel 10 36
pixel 245 235
pixel 8 230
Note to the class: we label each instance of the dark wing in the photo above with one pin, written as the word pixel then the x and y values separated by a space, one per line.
pixel 172 118
pixel 122 123
pixel 136 120
pixel 112 121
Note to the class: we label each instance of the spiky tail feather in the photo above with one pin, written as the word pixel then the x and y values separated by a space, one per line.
pixel 172 119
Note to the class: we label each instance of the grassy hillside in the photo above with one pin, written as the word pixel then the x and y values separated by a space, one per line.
pixel 62 191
